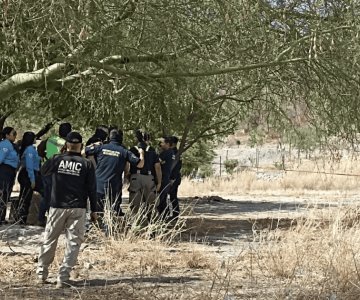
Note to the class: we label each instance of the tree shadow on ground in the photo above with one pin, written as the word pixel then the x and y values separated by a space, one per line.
pixel 215 206
pixel 219 221
pixel 135 280
pixel 94 288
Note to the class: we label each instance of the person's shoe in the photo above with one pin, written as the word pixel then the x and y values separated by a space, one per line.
pixel 64 284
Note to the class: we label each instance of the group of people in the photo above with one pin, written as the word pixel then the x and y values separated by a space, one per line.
pixel 152 176
pixel 24 158
pixel 72 176
pixel 153 180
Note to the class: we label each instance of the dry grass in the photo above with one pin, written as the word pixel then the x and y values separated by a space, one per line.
pixel 317 257
pixel 309 176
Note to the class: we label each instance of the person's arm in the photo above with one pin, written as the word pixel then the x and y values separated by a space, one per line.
pixel 29 164
pixel 45 129
pixel 175 169
pixel 92 151
pixel 91 190
pixel 127 171
pixel 141 162
pixel 134 160
pixel 48 167
pixel 4 151
pixel 158 176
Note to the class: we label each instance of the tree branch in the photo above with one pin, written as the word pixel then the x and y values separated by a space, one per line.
pixel 22 81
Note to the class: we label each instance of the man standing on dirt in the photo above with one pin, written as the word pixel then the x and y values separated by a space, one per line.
pixel 47 149
pixel 167 159
pixel 111 161
pixel 73 181
pixel 145 182
pixel 175 180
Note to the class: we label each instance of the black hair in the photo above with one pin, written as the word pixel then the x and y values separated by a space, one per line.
pixel 142 136
pixel 168 139
pixel 64 129
pixel 112 127
pixel 101 132
pixel 6 131
pixel 116 135
pixel 27 140
pixel 174 139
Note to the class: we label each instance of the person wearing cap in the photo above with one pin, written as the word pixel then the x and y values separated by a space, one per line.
pixel 47 149
pixel 145 181
pixel 73 182
pixel 167 159
pixel 9 162
pixel 111 160
pixel 175 180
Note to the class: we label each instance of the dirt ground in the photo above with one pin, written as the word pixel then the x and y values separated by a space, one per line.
pixel 217 230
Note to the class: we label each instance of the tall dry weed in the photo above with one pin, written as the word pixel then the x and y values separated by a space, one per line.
pixel 308 176
pixel 316 258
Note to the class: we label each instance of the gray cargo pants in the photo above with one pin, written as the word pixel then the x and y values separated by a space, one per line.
pixel 72 220
pixel 142 196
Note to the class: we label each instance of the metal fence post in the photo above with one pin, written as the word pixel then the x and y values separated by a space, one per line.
pixel 220 165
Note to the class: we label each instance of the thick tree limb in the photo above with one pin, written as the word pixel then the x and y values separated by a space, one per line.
pixel 22 81
pixel 50 77
pixel 205 73
pixel 3 118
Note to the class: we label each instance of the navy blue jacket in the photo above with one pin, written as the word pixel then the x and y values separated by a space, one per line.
pixel 73 181
pixel 111 159
pixel 175 172
pixel 167 158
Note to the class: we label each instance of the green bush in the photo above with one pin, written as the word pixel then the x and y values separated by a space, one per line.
pixel 230 165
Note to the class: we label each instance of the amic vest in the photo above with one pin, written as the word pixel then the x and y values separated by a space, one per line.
pixel 54 145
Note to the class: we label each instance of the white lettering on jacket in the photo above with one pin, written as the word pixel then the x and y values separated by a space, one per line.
pixel 110 152
pixel 70 168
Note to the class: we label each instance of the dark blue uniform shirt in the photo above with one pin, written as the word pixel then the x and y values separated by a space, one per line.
pixel 167 158
pixel 111 159
pixel 175 172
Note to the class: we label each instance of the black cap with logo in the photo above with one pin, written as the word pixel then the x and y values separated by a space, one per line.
pixel 74 137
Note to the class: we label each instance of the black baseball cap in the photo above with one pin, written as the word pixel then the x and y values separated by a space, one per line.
pixel 74 137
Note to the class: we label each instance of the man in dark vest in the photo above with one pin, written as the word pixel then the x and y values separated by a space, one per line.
pixel 73 182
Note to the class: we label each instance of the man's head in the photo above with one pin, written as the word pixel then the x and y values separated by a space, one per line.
pixel 174 141
pixel 142 136
pixel 64 130
pixel 102 132
pixel 165 142
pixel 116 136
pixel 74 142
